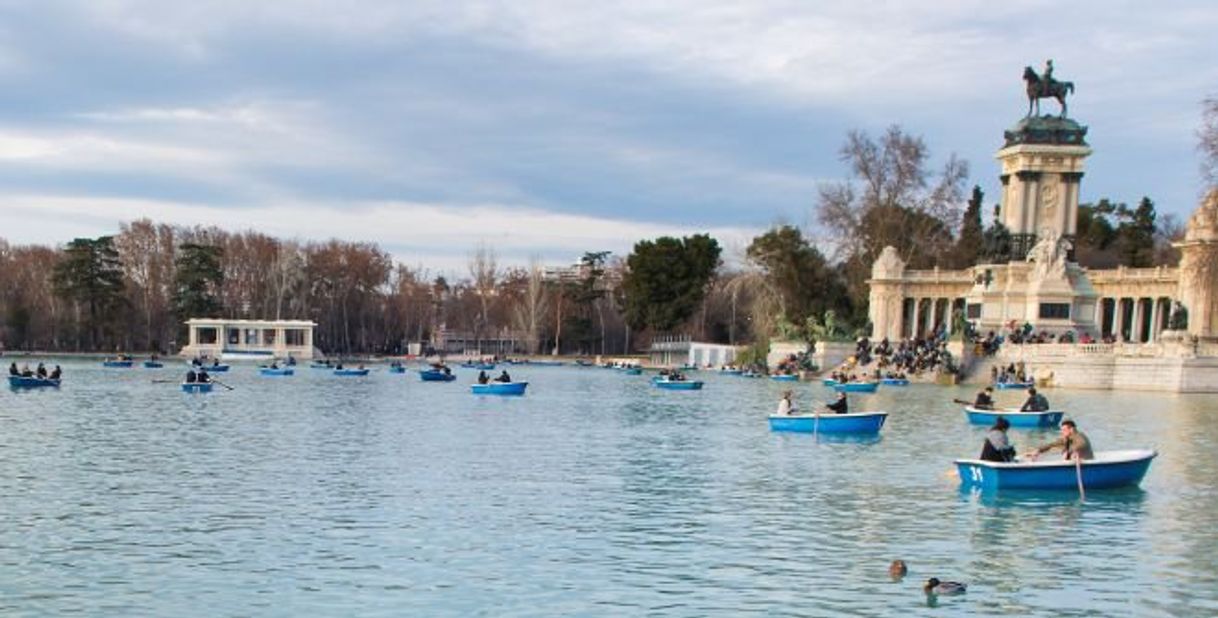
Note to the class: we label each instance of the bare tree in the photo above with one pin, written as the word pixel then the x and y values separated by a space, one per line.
pixel 1208 140
pixel 484 273
pixel 533 305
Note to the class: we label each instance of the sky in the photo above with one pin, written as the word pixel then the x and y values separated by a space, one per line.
pixel 546 129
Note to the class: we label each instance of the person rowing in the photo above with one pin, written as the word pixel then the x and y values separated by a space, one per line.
pixel 55 373
pixel 841 406
pixel 504 377
pixel 1035 403
pixel 203 377
pixel 12 370
pixel 985 399
pixel 1073 443
pixel 191 376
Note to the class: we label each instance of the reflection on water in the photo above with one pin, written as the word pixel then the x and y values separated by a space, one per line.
pixel 594 494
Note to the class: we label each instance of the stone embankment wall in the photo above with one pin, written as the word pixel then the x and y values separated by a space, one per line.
pixel 1180 367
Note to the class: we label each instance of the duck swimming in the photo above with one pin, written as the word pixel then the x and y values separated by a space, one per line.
pixel 934 586
pixel 897 569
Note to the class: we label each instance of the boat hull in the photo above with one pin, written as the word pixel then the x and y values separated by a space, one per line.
pixel 499 388
pixel 785 378
pixel 197 387
pixel 267 371
pixel 679 385
pixel 633 371
pixel 153 365
pixel 350 372
pixel 118 364
pixel 1049 418
pixel 856 387
pixel 895 382
pixel 32 382
pixel 397 369
pixel 1109 470
pixel 858 422
pixel 479 366
pixel 828 381
pixel 436 376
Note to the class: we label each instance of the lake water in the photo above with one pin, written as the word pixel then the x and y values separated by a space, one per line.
pixel 593 495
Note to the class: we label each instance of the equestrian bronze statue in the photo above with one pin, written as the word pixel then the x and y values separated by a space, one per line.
pixel 1047 88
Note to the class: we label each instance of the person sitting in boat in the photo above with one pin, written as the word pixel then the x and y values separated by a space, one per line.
pixel 985 399
pixel 26 372
pixel 785 406
pixel 338 365
pixel 1035 403
pixel 273 365
pixel 56 372
pixel 12 370
pixel 841 406
pixel 191 377
pixel 195 362
pixel 1073 443
pixel 997 446
pixel 41 371
pixel 291 361
pixel 504 377
pixel 483 378
pixel 203 377
pixel 215 362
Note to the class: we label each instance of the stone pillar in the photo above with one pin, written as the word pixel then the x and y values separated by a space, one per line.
pixel 1198 266
pixel 917 326
pixel 1154 320
pixel 1118 314
pixel 1135 321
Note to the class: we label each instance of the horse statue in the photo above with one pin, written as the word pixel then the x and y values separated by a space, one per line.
pixel 1045 89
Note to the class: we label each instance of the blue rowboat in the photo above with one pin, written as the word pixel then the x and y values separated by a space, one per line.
pixel 278 371
pixel 31 382
pixel 212 368
pixel 433 375
pixel 351 372
pixel 320 366
pixel 397 369
pixel 786 377
pixel 540 363
pixel 678 385
pixel 828 381
pixel 1108 470
pixel 118 364
pixel 750 374
pixel 479 366
pixel 197 387
pixel 1049 418
pixel 499 388
pixel 1007 386
pixel 633 371
pixel 855 422
pixel 856 387
pixel 731 372
pixel 894 382
pixel 153 365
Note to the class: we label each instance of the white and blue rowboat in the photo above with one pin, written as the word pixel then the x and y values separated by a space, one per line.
pixel 786 377
pixel 828 381
pixel 731 372
pixel 499 388
pixel 1048 418
pixel 351 372
pixel 432 375
pixel 751 374
pixel 117 364
pixel 894 382
pixel 856 387
pixel 1109 469
pixel 1009 386
pixel 678 385
pixel 854 422
pixel 197 387
pixel 277 371
pixel 31 382
pixel 153 365
pixel 210 368
pixel 479 366
pixel 632 371
pixel 397 369
pixel 320 366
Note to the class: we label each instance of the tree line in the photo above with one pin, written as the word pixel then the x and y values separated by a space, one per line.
pixel 133 290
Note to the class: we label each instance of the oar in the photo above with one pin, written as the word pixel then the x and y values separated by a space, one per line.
pixel 1078 472
pixel 222 384
pixel 963 402
pixel 164 381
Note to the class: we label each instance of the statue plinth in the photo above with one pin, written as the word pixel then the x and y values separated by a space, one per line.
pixel 1046 130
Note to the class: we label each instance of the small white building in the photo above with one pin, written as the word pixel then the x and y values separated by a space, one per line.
pixel 681 350
pixel 235 339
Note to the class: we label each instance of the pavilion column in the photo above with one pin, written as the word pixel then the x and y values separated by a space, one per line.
pixel 917 306
pixel 1099 315
pixel 1118 315
pixel 1135 321
pixel 1153 333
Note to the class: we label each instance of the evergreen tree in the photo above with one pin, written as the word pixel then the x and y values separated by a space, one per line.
pixel 197 281
pixel 972 231
pixel 1135 236
pixel 666 280
pixel 91 275
pixel 583 295
pixel 807 286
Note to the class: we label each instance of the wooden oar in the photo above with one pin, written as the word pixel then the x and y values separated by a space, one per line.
pixel 1078 472
pixel 963 402
pixel 222 384
pixel 164 381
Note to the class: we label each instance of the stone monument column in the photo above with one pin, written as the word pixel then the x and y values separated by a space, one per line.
pixel 1199 269
pixel 1042 164
pixel 887 298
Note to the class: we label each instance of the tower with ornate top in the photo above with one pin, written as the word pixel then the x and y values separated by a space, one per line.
pixel 1042 166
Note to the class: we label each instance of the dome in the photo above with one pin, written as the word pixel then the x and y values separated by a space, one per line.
pixel 1203 225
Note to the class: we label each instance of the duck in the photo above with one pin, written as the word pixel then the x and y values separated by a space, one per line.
pixel 897 569
pixel 934 586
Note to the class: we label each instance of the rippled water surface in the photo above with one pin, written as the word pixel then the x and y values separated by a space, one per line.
pixel 594 495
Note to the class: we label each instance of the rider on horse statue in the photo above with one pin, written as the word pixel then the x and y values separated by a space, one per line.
pixel 1045 87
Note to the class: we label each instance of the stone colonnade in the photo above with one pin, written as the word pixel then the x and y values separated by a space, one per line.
pixel 1136 319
